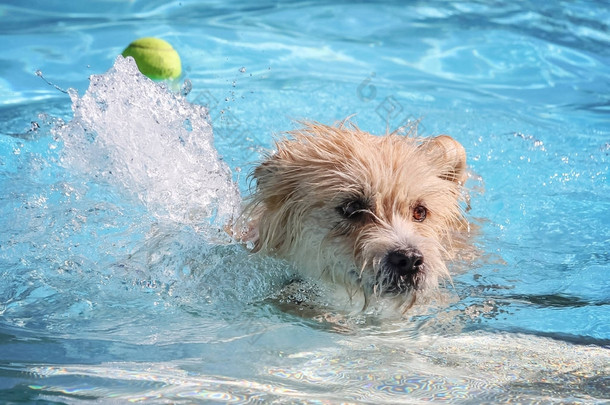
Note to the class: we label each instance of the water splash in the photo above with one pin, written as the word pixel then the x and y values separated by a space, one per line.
pixel 137 135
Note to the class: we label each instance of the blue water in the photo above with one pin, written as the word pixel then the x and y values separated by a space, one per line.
pixel 116 286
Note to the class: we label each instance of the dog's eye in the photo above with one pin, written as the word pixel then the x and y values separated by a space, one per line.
pixel 352 209
pixel 419 213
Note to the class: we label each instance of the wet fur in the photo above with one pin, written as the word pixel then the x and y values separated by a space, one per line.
pixel 293 212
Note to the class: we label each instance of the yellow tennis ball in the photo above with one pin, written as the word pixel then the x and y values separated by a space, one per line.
pixel 155 58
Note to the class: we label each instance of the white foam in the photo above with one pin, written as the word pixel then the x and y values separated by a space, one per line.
pixel 133 133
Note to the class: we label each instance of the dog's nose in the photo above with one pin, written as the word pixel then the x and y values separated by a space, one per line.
pixel 405 262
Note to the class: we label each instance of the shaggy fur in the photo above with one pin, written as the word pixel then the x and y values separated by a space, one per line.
pixel 377 214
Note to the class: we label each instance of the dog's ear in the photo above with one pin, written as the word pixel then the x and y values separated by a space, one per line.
pixel 274 188
pixel 448 155
pixel 263 171
pixel 272 185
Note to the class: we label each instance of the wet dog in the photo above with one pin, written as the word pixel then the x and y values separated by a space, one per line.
pixel 379 215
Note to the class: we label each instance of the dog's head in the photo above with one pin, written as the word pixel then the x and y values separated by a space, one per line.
pixel 372 212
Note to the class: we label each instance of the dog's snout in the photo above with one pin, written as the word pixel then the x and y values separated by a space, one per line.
pixel 405 262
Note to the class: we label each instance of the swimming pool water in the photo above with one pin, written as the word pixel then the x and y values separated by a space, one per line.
pixel 117 286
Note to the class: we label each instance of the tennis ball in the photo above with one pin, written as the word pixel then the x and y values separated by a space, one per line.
pixel 155 58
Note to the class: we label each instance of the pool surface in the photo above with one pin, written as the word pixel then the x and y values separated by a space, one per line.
pixel 118 285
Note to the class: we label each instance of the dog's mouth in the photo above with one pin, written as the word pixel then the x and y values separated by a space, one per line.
pixel 388 283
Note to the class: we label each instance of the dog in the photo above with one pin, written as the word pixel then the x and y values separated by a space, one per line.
pixel 380 215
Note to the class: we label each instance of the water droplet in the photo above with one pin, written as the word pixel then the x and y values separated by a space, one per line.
pixel 187 86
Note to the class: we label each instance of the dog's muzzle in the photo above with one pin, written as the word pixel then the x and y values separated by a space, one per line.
pixel 401 270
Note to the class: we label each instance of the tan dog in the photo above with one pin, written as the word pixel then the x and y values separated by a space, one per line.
pixel 377 214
